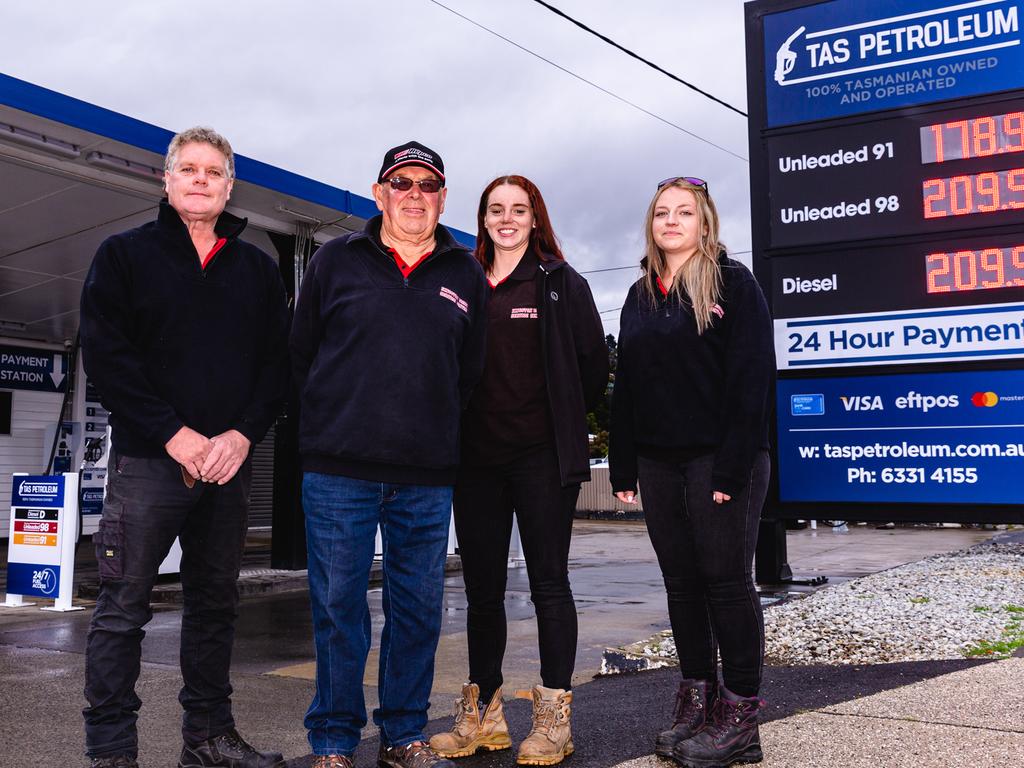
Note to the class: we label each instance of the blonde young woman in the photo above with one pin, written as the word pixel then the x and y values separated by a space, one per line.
pixel 690 427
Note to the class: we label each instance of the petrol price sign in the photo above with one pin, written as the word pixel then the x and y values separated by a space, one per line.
pixel 928 172
pixel 887 202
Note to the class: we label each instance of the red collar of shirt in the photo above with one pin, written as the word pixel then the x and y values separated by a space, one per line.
pixel 213 251
pixel 407 269
pixel 661 286
pixel 496 284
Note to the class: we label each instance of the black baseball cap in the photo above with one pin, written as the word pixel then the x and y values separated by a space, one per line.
pixel 411 153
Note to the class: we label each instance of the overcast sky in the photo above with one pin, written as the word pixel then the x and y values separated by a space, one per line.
pixel 324 88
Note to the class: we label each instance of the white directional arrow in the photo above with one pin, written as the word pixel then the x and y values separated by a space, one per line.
pixel 58 370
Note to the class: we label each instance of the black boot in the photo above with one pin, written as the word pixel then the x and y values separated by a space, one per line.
pixel 229 750
pixel 117 761
pixel 730 737
pixel 690 715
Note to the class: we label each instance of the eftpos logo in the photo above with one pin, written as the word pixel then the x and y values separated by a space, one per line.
pixel 935 34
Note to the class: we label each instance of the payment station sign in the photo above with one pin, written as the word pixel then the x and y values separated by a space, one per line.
pixel 846 58
pixel 41 370
pixel 943 438
pixel 887 201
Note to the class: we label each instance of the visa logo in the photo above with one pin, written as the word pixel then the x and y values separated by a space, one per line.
pixel 862 402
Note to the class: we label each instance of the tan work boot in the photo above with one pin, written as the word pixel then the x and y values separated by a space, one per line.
pixel 473 732
pixel 550 739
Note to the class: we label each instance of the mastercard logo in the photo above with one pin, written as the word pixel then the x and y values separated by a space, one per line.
pixel 984 399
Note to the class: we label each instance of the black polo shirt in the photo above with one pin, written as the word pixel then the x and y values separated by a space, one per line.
pixel 508 413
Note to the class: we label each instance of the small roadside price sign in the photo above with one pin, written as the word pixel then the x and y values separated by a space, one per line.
pixel 44 526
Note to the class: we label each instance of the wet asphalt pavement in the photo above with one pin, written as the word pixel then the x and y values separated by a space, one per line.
pixel 620 600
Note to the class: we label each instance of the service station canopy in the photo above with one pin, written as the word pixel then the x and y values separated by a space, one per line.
pixel 72 174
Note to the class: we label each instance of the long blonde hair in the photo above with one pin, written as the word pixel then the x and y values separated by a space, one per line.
pixel 699 280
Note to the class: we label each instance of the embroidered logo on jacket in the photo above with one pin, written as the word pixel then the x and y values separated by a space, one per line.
pixel 718 310
pixel 523 313
pixel 454 298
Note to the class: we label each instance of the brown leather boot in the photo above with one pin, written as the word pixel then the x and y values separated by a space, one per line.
pixel 550 738
pixel 472 731
pixel 691 713
pixel 729 738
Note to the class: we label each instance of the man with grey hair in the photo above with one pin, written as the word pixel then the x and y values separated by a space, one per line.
pixel 184 330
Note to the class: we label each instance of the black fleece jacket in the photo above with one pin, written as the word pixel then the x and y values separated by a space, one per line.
pixel 680 394
pixel 168 344
pixel 384 364
pixel 575 362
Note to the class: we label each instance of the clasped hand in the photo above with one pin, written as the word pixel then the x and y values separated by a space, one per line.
pixel 210 459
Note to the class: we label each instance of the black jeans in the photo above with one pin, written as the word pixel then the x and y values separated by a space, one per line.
pixel 706 551
pixel 147 505
pixel 485 498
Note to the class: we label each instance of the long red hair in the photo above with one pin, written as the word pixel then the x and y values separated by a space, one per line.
pixel 543 242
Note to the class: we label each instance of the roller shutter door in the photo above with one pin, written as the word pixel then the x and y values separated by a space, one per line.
pixel 261 494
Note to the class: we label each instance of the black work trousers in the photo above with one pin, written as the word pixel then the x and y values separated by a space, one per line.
pixel 485 499
pixel 147 505
pixel 706 553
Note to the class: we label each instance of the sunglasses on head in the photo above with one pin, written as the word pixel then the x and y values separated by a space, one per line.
pixel 402 184
pixel 688 179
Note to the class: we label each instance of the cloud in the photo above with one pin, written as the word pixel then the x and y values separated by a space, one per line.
pixel 323 89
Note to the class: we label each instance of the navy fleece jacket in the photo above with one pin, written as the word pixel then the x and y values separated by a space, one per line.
pixel 679 394
pixel 384 364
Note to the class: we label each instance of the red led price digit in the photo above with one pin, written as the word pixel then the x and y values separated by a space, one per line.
pixel 988 184
pixel 992 261
pixel 1017 259
pixel 938 194
pixel 965 138
pixel 959 206
pixel 959 259
pixel 984 136
pixel 933 273
pixel 1013 126
pixel 937 135
pixel 1015 181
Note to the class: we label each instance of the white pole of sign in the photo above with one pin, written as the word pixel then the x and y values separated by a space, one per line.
pixel 14 601
pixel 68 526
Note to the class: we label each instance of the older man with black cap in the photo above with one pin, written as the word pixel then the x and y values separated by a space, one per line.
pixel 387 343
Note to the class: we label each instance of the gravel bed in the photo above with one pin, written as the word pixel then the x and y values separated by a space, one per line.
pixel 936 608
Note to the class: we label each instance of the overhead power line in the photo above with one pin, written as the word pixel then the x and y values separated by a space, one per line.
pixel 633 266
pixel 590 82
pixel 638 57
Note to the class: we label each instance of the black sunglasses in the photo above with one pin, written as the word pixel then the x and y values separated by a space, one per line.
pixel 688 179
pixel 402 184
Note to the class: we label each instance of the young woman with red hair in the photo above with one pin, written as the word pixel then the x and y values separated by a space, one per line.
pixel 524 451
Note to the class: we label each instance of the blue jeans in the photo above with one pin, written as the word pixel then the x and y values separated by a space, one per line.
pixel 342 515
